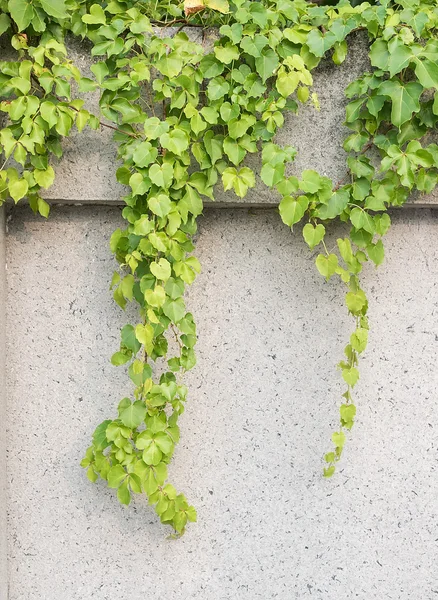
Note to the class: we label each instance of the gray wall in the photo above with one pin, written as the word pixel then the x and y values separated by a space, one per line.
pixel 262 405
pixel 3 477
pixel 263 399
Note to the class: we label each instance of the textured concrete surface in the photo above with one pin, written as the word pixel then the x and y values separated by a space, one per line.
pixel 3 514
pixel 86 172
pixel 262 405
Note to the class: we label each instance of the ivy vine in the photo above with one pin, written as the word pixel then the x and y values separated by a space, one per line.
pixel 184 121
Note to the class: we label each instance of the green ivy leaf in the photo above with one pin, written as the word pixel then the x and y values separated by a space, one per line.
pixel 43 207
pixel 133 415
pixel 116 475
pixel 155 297
pixel 175 140
pixel 313 235
pixel 8 141
pixel 138 184
pixel 160 205
pixel 405 98
pixel 226 54
pixel 266 63
pixel 362 220
pixel 353 110
pixel 254 45
pixel 335 206
pixel 174 288
pixel 174 309
pixel 154 128
pixel 292 209
pixel 399 56
pixel 238 127
pixel 161 269
pixel 310 181
pixel 100 441
pixel 129 339
pixel 235 152
pixel 240 180
pixel 22 12
pixel 418 22
pixel 217 88
pixel 234 32
pixel 427 73
pixel 379 54
pixel 170 64
pixel 329 471
pixel 221 6
pixel 376 252
pixel 210 67
pixel 327 265
pixel 44 178
pixel 347 413
pixel 350 376
pixel 5 23
pixel 152 455
pixel 18 189
pixel 340 52
pixel 359 339
pixel 120 358
pixel 180 521
pixel 55 8
pixel 374 105
pixel 145 335
pixel 95 17
pixel 287 82
pixel 338 438
pixel 145 154
pixel 315 42
pixel 161 175
pixel 123 493
pixel 356 302
pixel 191 202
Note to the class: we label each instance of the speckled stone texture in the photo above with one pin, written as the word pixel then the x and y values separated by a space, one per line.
pixel 3 478
pixel 262 405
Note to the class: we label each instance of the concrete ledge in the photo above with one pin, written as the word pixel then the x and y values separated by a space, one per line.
pixel 86 173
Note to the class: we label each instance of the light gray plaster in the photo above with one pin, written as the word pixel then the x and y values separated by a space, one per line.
pixel 3 515
pixel 262 405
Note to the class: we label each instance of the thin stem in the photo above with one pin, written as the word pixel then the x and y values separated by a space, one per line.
pixel 325 247
pixel 4 164
pixel 180 344
pixel 102 124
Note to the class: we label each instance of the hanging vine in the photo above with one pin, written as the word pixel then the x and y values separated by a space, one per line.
pixel 184 122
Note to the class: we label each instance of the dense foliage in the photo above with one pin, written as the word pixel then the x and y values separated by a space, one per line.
pixel 184 122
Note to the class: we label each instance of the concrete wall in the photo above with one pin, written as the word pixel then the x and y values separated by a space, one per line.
pixel 3 478
pixel 263 400
pixel 262 404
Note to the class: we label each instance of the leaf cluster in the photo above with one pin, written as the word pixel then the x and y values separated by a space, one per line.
pixel 185 122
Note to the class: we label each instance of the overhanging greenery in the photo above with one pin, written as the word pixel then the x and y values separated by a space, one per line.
pixel 184 122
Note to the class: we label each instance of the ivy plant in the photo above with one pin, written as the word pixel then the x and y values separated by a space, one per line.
pixel 184 121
